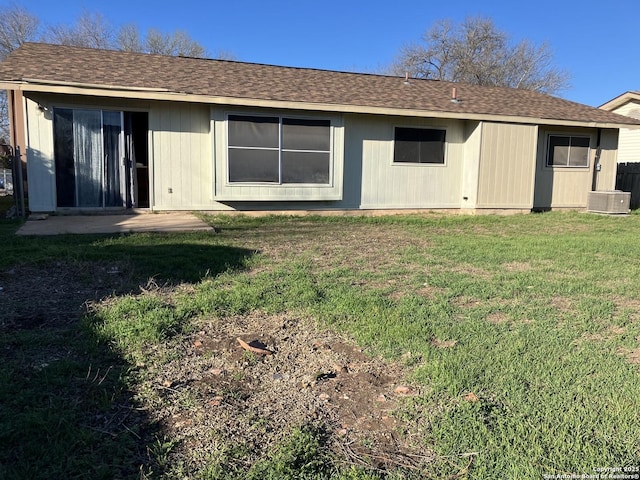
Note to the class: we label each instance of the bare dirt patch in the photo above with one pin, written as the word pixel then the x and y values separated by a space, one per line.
pixel 562 304
pixel 517 266
pixel 253 401
pixel 497 318
pixel 209 397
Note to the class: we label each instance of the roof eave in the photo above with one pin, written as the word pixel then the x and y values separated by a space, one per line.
pixel 620 100
pixel 139 93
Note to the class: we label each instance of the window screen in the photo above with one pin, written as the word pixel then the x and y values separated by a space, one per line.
pixel 279 150
pixel 568 151
pixel 419 145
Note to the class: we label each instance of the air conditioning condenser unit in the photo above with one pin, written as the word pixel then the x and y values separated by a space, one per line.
pixel 612 201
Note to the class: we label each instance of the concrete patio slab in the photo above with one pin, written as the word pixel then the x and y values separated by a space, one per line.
pixel 88 224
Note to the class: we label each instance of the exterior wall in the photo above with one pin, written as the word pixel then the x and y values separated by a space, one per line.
pixel 40 163
pixel 471 169
pixel 568 187
pixel 487 165
pixel 507 166
pixel 181 170
pixel 179 150
pixel 629 142
pixel 383 184
pixel 606 177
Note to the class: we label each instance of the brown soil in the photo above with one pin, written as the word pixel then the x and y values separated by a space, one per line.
pixel 308 376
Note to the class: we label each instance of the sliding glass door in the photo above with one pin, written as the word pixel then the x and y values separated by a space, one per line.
pixel 88 149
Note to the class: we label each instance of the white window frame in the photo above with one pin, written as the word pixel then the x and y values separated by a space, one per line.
pixel 280 149
pixel 420 164
pixel 547 159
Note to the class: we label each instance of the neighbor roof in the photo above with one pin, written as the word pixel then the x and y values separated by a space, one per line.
pixel 64 69
pixel 621 100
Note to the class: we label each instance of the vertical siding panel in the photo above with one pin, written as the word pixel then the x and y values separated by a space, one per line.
pixel 606 179
pixel 182 156
pixel 506 166
pixel 40 161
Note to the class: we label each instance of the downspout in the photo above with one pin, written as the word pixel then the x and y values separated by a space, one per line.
pixel 596 164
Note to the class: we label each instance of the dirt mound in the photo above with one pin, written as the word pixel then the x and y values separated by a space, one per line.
pixel 251 379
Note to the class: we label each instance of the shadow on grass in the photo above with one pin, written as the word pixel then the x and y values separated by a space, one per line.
pixel 66 402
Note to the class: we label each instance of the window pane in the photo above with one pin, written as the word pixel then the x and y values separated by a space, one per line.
pixel 419 145
pixel 253 165
pixel 63 153
pixel 579 153
pixel 250 131
pixel 579 157
pixel 89 157
pixel 558 151
pixel 305 134
pixel 111 130
pixel 305 167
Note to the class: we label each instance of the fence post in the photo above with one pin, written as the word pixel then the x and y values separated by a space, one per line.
pixel 18 187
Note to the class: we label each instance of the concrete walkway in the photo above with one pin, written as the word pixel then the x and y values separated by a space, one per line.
pixel 81 224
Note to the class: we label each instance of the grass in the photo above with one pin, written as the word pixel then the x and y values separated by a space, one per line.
pixel 524 332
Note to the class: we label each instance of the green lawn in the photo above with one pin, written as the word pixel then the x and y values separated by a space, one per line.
pixel 522 331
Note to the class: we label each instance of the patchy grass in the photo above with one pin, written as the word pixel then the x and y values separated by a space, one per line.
pixel 521 335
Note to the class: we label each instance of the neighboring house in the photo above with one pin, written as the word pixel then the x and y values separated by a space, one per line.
pixel 629 140
pixel 106 129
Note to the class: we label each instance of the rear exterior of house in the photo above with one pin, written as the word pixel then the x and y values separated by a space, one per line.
pixel 104 130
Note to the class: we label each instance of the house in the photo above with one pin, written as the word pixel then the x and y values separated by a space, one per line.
pixel 114 130
pixel 629 139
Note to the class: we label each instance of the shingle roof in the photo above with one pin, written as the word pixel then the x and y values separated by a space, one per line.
pixel 204 78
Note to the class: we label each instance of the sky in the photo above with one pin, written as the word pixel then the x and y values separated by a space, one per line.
pixel 595 41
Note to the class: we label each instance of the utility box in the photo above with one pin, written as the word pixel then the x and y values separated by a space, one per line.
pixel 613 201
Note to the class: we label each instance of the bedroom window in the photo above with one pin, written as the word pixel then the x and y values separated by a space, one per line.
pixel 419 145
pixel 568 151
pixel 278 150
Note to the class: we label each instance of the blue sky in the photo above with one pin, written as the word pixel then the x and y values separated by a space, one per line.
pixel 595 41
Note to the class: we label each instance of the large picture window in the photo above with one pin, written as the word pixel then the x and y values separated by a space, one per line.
pixel 278 150
pixel 568 151
pixel 419 145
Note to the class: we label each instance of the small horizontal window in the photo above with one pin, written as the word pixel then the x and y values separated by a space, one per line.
pixel 568 151
pixel 278 150
pixel 419 145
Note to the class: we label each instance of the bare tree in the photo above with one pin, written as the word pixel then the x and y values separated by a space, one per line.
pixel 94 31
pixel 475 51
pixel 17 27
pixel 129 40
pixel 90 30
pixel 178 43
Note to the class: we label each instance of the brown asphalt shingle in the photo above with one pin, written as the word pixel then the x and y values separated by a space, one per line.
pixel 220 78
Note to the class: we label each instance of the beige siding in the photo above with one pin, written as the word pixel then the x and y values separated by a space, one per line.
pixel 181 170
pixel 471 168
pixel 606 178
pixel 563 187
pixel 388 185
pixel 507 166
pixel 629 141
pixel 40 163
